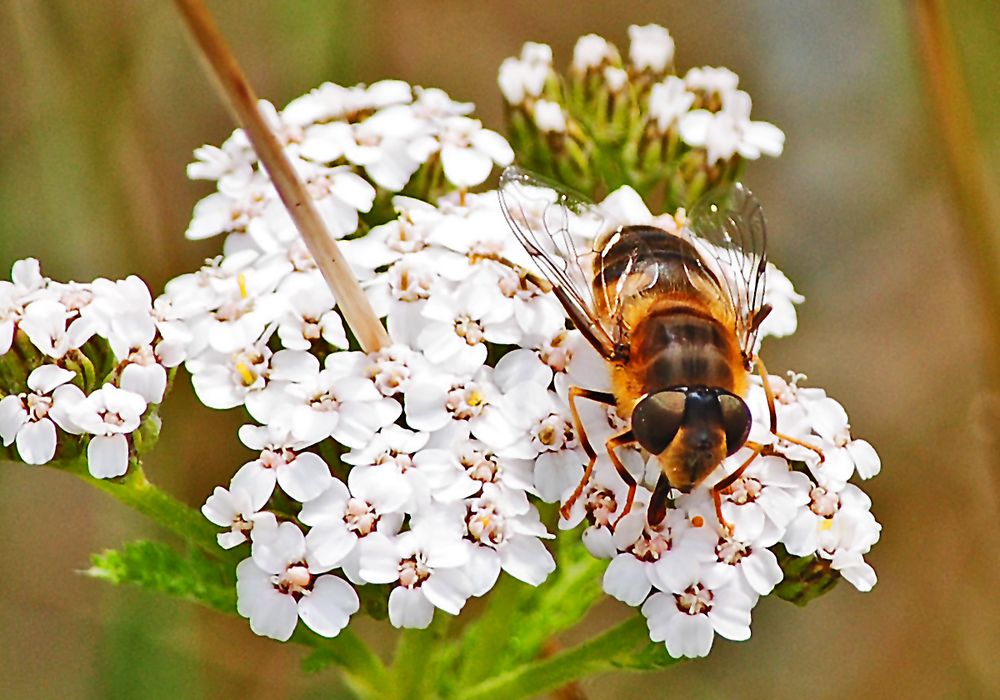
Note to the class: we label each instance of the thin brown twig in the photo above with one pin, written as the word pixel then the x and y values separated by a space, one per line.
pixel 952 115
pixel 242 101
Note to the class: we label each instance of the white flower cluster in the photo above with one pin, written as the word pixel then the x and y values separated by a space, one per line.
pixel 54 321
pixel 704 107
pixel 418 467
pixel 447 449
pixel 334 135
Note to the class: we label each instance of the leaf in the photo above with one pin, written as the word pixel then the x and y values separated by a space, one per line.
pixel 158 567
pixel 562 601
pixel 650 657
pixel 806 578
pixel 319 659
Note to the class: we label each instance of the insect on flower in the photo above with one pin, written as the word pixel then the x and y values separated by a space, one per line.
pixel 674 313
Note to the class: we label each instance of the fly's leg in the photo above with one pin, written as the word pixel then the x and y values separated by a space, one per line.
pixel 522 273
pixel 625 438
pixel 603 397
pixel 657 509
pixel 724 484
pixel 762 371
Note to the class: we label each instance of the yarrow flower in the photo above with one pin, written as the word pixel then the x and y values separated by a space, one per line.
pixel 419 472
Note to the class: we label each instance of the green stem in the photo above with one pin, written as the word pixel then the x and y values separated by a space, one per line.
pixel 596 655
pixel 136 492
pixel 363 671
pixel 412 670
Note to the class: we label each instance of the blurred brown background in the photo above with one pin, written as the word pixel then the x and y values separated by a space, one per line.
pixel 102 104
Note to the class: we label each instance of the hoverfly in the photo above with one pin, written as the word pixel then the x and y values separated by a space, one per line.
pixel 674 314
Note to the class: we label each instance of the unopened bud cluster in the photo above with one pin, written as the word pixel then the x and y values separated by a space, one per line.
pixel 610 121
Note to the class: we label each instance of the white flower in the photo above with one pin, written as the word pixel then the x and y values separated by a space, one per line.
pixel 54 329
pixel 426 564
pixel 232 209
pixel 546 434
pixel 26 279
pixel 468 151
pixel 279 584
pixel 301 475
pixel 757 566
pixel 433 103
pixel 379 144
pixel 760 504
pixel 333 402
pixel 231 165
pixel 338 193
pixel 711 81
pixel 661 554
pixel 549 117
pixel 29 420
pixel 842 455
pixel 837 526
pixel 342 517
pixel 688 615
pixel 390 454
pixel 729 131
pixel 236 508
pixel 437 399
pixel 590 51
pixel 652 47
pixel 109 414
pixel 668 101
pixel 309 315
pixel 524 77
pixel 330 102
pixel 782 297
pixel 507 533
pixel 615 78
pixel 458 326
pixel 460 467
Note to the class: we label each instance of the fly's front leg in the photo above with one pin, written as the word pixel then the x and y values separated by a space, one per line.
pixel 657 509
pixel 619 440
pixel 603 397
pixel 762 371
pixel 724 484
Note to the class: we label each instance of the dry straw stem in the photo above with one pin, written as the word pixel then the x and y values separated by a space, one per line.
pixel 242 101
pixel 952 116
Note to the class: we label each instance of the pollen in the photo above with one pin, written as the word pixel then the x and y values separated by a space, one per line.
pixel 825 524
pixel 241 280
pixel 246 374
pixel 697 521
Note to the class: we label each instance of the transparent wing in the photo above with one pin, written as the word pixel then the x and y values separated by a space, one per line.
pixel 730 233
pixel 553 225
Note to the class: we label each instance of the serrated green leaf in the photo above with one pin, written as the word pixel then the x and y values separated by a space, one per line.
pixel 158 567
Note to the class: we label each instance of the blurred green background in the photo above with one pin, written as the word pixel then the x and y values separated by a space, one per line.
pixel 103 102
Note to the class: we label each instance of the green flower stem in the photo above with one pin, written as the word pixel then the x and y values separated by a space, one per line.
pixel 136 492
pixel 412 667
pixel 596 655
pixel 362 670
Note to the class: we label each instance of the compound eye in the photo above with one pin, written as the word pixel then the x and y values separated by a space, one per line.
pixel 736 421
pixel 657 418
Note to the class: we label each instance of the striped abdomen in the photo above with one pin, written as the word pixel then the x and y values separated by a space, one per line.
pixel 676 346
pixel 680 327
